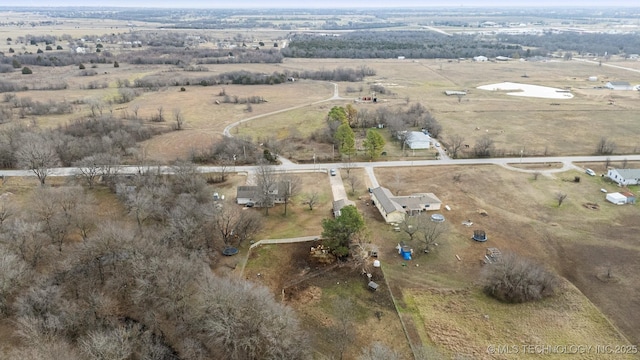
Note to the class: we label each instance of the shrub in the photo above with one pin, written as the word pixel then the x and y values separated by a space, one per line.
pixel 81 66
pixel 515 279
pixel 116 64
pixel 26 71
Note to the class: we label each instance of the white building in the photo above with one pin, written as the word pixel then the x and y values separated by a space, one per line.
pixel 624 177
pixel 616 198
pixel 619 85
pixel 480 58
pixel 417 140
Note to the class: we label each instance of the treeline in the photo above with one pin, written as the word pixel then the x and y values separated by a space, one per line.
pixel 78 285
pixel 29 147
pixel 57 59
pixel 391 44
pixel 582 43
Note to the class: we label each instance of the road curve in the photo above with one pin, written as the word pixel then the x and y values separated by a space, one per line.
pixel 336 96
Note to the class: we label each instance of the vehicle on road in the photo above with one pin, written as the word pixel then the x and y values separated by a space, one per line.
pixel 332 172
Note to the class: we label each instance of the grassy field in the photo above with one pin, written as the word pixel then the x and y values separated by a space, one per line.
pixel 581 244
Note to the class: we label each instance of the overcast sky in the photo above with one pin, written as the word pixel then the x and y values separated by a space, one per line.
pixel 317 3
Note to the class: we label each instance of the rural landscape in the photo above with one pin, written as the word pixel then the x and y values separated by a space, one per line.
pixel 428 183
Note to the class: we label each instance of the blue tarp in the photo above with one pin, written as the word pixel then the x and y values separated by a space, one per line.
pixel 406 255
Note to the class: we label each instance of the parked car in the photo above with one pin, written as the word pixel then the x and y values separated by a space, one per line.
pixel 332 172
pixel 590 172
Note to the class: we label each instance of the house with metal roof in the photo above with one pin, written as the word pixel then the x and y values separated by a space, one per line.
pixel 619 85
pixel 624 177
pixel 251 194
pixel 394 209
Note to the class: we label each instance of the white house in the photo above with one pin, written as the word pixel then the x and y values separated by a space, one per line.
pixel 251 194
pixel 624 177
pixel 81 50
pixel 480 58
pixel 619 85
pixel 394 209
pixel 417 140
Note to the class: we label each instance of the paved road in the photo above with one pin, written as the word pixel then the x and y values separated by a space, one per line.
pixel 567 161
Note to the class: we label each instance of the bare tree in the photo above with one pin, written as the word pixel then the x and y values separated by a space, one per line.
pixel 267 185
pixel 560 197
pixel 429 231
pixel 238 320
pixel 160 117
pixel 14 272
pixel 343 330
pixel 605 146
pixel 483 147
pixel 232 225
pixel 311 199
pixel 7 210
pixel 410 226
pixel 379 351
pixel 178 117
pixel 135 109
pixel 291 188
pixel 188 179
pixel 37 154
pixel 353 182
pixel 27 239
pixel 625 163
pixel 516 279
pixel 108 344
pixel 89 169
pixel 455 145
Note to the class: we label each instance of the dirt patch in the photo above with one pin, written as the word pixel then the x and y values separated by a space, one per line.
pixel 591 206
pixel 312 289
pixel 537 166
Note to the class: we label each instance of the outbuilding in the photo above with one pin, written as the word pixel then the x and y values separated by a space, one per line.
pixel 616 198
pixel 619 85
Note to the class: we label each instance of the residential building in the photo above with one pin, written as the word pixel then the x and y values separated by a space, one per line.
pixel 624 177
pixel 394 209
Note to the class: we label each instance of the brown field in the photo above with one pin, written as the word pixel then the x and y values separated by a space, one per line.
pixel 579 243
pixel 514 123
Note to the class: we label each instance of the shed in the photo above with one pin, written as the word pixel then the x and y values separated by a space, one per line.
pixel 631 197
pixel 616 198
pixel 373 286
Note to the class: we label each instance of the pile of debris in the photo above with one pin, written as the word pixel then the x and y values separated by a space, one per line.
pixel 492 256
pixel 321 254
